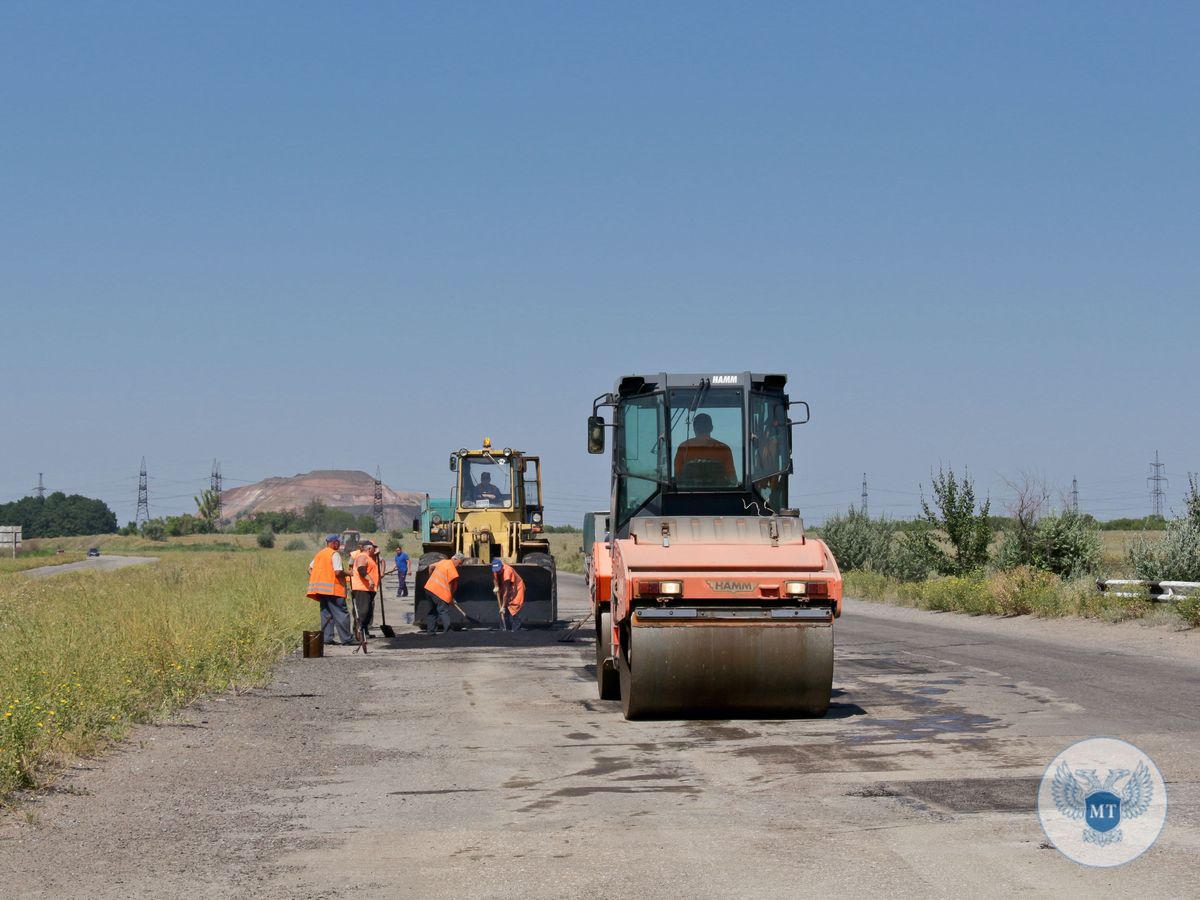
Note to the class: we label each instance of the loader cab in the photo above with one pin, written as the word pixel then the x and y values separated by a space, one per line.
pixel 505 480
pixel 697 445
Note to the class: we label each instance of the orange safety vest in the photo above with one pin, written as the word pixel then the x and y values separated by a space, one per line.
pixel 512 589
pixel 705 448
pixel 372 579
pixel 322 581
pixel 443 579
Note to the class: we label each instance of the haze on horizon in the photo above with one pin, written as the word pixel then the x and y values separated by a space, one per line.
pixel 295 238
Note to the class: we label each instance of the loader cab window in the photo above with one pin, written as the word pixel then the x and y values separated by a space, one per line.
pixel 486 482
pixel 707 439
pixel 770 448
pixel 531 484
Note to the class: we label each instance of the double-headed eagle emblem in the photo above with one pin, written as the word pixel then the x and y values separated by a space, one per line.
pixel 1081 795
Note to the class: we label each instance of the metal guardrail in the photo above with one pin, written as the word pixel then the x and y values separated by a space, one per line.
pixel 1165 591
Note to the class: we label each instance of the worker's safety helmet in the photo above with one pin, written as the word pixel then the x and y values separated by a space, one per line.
pixel 497 565
pixel 332 539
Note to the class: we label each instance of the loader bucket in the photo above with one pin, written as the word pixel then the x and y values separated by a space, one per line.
pixel 474 595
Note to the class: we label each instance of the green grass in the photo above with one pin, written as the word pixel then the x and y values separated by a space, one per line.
pixel 85 655
pixel 25 562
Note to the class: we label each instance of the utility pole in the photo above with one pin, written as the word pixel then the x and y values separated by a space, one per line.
pixel 377 508
pixel 1074 495
pixel 1158 483
pixel 40 490
pixel 214 484
pixel 143 508
pixel 864 494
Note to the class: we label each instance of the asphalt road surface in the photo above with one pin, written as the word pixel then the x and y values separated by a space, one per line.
pixel 482 765
pixel 91 564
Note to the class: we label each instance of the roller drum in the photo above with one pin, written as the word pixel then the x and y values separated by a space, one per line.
pixel 723 668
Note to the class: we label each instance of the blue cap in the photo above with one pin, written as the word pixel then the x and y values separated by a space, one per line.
pixel 330 538
pixel 497 565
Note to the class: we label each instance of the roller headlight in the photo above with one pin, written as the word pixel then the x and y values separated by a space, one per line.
pixel 537 518
pixel 795 588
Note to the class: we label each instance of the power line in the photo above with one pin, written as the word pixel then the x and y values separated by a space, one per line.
pixel 1157 482
pixel 143 504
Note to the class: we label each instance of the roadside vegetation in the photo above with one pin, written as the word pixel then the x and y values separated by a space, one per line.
pixel 83 656
pixel 1040 561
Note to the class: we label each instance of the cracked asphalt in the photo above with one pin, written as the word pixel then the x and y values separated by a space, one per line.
pixel 482 765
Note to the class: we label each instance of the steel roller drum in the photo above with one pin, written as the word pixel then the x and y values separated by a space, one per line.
pixel 761 666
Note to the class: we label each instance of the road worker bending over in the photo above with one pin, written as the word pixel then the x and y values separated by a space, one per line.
pixel 510 594
pixel 364 582
pixel 441 585
pixel 327 584
pixel 704 448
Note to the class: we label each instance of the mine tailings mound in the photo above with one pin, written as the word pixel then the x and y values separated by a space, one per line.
pixel 349 490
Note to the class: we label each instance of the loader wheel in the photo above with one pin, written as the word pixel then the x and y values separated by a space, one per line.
pixel 608 682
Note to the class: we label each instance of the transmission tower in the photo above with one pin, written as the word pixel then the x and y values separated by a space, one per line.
pixel 214 484
pixel 377 508
pixel 143 507
pixel 1074 495
pixel 1158 484
pixel 864 494
pixel 40 490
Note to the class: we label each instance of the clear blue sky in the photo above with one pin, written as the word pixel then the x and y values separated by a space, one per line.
pixel 968 231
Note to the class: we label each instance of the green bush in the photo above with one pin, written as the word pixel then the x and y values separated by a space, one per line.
pixel 266 539
pixel 154 530
pixel 1173 557
pixel 1067 544
pixel 955 538
pixel 1188 610
pixel 295 544
pixel 859 542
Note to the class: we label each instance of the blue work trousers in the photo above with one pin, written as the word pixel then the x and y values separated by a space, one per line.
pixel 439 614
pixel 335 616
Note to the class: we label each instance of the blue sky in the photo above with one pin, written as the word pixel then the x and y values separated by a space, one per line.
pixel 967 232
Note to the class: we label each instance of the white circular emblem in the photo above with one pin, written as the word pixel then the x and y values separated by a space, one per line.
pixel 1102 802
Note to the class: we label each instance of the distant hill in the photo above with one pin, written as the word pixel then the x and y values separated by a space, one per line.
pixel 350 490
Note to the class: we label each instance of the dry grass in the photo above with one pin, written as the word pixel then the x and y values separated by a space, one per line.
pixel 1023 591
pixel 1114 550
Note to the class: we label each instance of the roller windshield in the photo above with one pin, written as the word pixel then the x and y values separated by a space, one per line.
pixel 707 438
pixel 699 450
pixel 486 482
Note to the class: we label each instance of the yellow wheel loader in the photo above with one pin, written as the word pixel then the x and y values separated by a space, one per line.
pixel 497 514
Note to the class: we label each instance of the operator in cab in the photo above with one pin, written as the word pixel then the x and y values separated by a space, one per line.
pixel 485 490
pixel 704 447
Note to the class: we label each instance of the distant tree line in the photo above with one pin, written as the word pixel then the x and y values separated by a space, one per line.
pixel 316 516
pixel 59 515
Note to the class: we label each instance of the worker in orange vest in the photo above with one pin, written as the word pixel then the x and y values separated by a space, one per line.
pixel 510 589
pixel 439 590
pixel 364 582
pixel 704 447
pixel 327 584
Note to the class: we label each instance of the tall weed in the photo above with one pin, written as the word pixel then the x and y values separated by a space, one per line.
pixel 84 655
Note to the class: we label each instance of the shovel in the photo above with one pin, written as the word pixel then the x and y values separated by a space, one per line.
pixel 385 629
